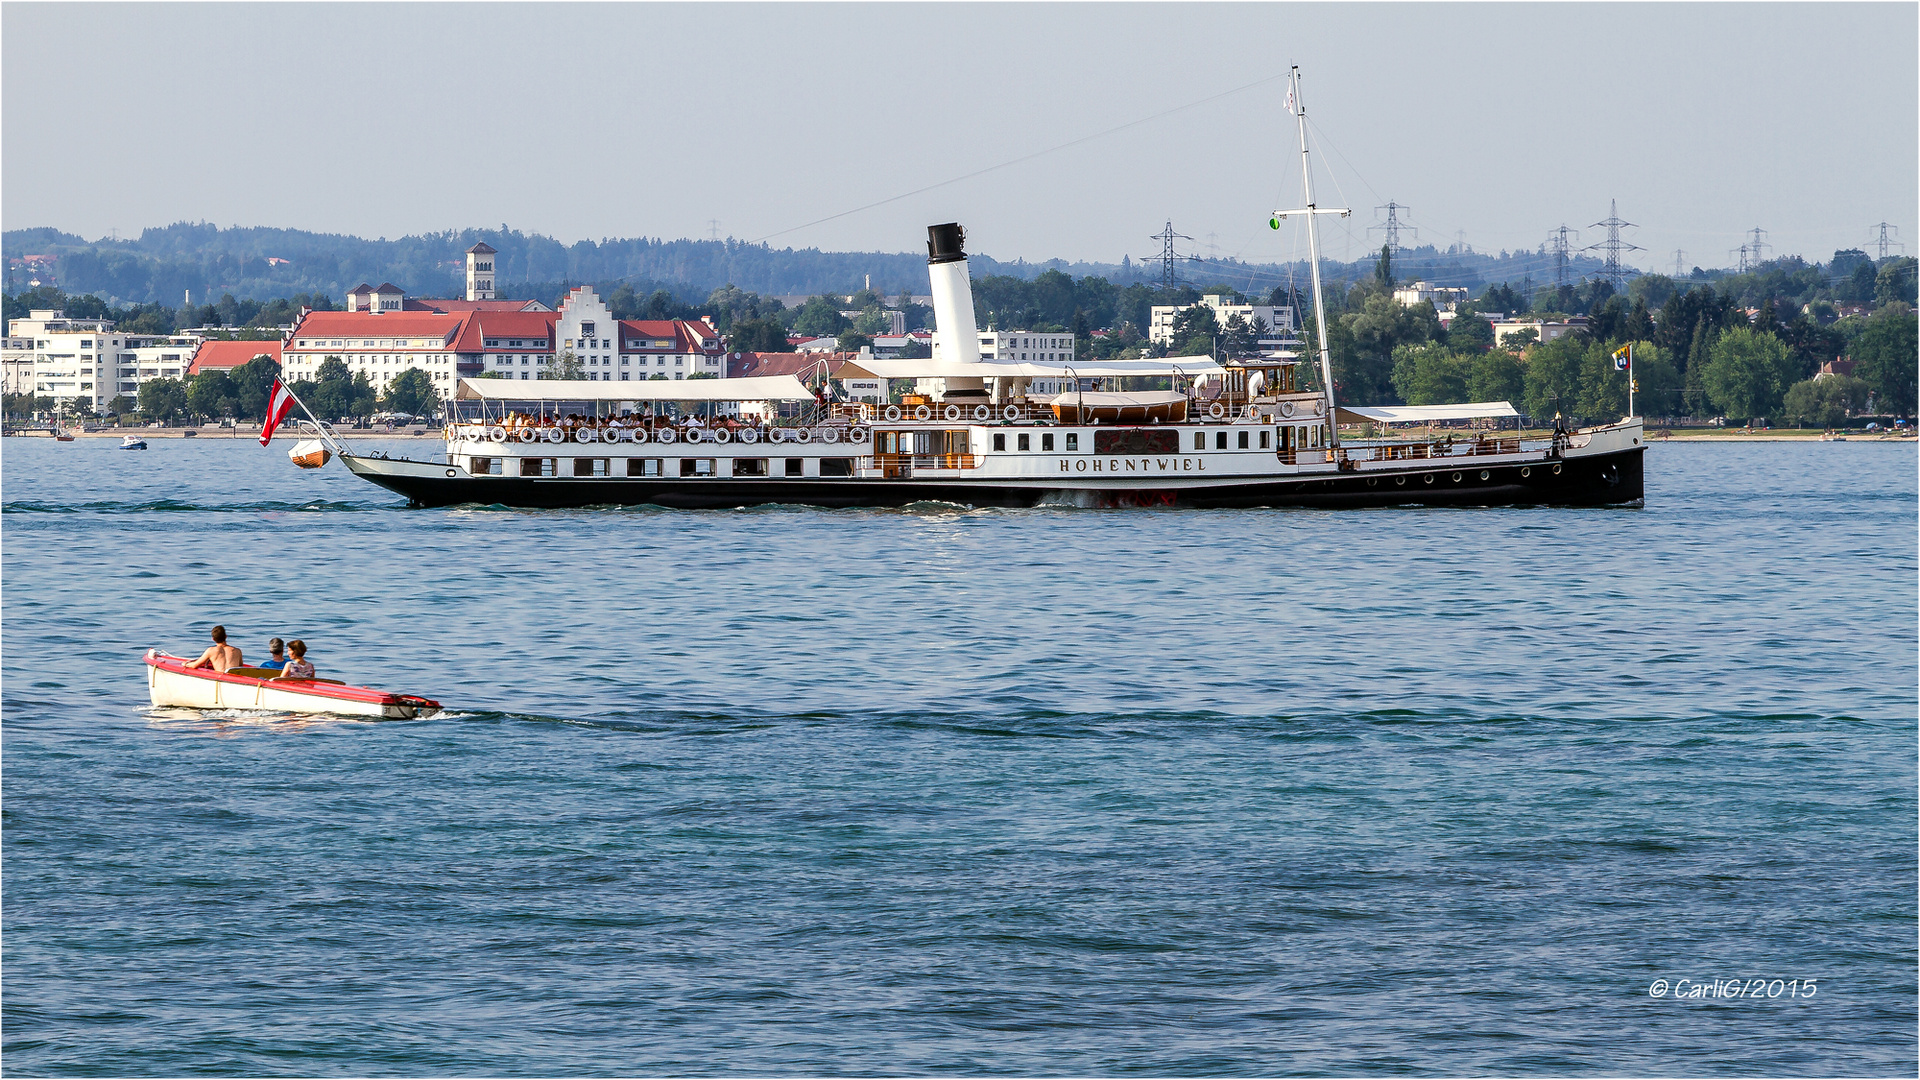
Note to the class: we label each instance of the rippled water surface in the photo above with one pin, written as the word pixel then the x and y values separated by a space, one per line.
pixel 1049 791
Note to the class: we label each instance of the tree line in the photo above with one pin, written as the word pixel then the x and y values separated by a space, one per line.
pixel 1700 353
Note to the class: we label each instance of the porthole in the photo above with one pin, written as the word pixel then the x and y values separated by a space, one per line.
pixel 1373 481
pixel 1429 478
pixel 1400 480
pixel 1525 471
pixel 1556 470
pixel 1456 478
pixel 1485 475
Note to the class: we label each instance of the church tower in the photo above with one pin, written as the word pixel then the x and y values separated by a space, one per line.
pixel 480 272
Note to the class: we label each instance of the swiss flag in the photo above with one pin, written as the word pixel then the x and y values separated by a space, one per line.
pixel 278 405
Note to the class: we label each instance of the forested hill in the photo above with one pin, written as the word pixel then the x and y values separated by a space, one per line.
pixel 258 263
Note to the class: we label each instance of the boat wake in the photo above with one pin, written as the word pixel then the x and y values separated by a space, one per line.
pixel 177 506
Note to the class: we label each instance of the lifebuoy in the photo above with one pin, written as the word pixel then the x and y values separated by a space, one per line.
pixel 982 413
pixel 1319 407
pixel 526 435
pixel 555 435
pixel 749 436
pixel 497 434
pixel 722 435
pixel 829 435
pixel 1286 408
pixel 664 436
pixel 586 434
pixel 1216 410
pixel 952 413
pixel 857 435
pixel 893 413
pixel 800 435
pixel 1011 412
pixel 638 435
pixel 921 412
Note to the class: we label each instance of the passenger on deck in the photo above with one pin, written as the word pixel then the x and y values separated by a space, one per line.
pixel 297 668
pixel 219 656
pixel 277 648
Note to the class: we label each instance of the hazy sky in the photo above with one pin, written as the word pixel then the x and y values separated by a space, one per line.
pixel 1494 122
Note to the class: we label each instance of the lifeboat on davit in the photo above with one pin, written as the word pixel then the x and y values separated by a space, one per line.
pixel 1148 407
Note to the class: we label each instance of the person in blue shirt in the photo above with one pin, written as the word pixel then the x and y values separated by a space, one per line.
pixel 279 661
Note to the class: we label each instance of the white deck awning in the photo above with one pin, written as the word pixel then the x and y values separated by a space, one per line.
pixel 1422 414
pixel 753 388
pixel 1191 366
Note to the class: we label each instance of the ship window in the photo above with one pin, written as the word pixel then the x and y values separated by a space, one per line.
pixel 756 466
pixel 643 466
pixel 1219 440
pixel 794 466
pixel 1026 442
pixel 999 442
pixel 589 466
pixel 1073 441
pixel 1266 440
pixel 1046 441
pixel 1243 440
pixel 696 466
pixel 1199 440
pixel 482 466
pixel 836 466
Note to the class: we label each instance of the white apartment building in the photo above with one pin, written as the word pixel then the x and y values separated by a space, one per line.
pixel 1015 346
pixel 74 358
pixel 1548 331
pixel 1444 300
pixel 1278 319
pixel 16 366
pixel 156 358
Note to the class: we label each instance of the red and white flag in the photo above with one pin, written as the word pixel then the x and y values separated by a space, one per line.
pixel 279 403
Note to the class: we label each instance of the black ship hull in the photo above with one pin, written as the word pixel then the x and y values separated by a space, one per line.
pixel 1607 479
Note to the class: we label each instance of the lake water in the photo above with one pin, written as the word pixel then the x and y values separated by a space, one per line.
pixel 1032 792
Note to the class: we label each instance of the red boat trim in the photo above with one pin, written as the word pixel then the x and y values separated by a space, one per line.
pixel 364 694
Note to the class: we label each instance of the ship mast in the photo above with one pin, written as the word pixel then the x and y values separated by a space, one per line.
pixel 1299 109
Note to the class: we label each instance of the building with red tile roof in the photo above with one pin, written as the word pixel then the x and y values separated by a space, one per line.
pixel 505 339
pixel 227 355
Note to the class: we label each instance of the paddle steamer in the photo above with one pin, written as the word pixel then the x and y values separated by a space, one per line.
pixel 1240 434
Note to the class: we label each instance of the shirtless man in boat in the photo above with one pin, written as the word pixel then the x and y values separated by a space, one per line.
pixel 219 656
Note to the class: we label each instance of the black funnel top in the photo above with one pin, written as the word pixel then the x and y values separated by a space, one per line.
pixel 944 243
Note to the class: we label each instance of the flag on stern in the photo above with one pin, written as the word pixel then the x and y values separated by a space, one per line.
pixel 1623 358
pixel 279 403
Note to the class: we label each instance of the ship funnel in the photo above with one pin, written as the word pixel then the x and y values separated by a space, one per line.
pixel 956 334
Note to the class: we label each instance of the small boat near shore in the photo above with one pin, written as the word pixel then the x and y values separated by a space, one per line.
pixel 131 442
pixel 171 682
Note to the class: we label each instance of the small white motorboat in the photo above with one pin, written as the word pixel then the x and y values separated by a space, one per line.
pixel 172 682
pixel 130 442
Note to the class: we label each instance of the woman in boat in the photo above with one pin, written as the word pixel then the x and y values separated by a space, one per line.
pixel 297 667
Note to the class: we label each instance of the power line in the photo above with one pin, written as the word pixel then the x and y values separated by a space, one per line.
pixel 1679 262
pixel 1558 247
pixel 1756 246
pixel 1614 270
pixel 1027 157
pixel 1886 241
pixel 1168 256
pixel 1393 226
